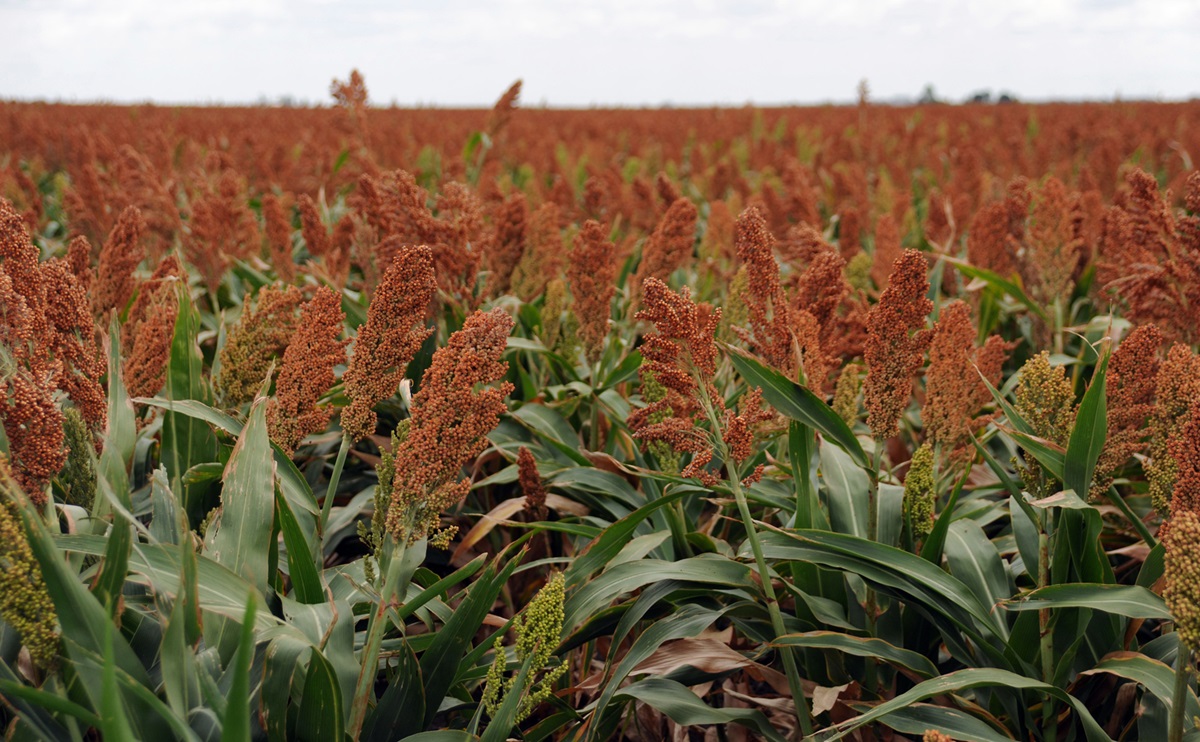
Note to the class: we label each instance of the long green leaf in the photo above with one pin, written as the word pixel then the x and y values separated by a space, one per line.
pixel 708 569
pixel 219 591
pixel 1088 435
pixel 322 714
pixel 1130 601
pixel 973 678
pixel 121 433
pixel 614 538
pixel 302 565
pixel 114 724
pixel 921 717
pixel 798 403
pixel 186 441
pixel 1155 676
pixel 688 621
pixel 861 647
pixel 241 539
pixel 236 724
pixel 440 662
pixel 1002 284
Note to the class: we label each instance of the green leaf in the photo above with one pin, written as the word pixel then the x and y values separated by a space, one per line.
pixel 554 429
pixel 113 723
pixel 28 702
pixel 321 710
pixel 707 569
pixel 186 441
pixel 1153 675
pixel 847 489
pixel 967 679
pixel 999 283
pixel 241 538
pixel 945 600
pixel 1130 601
pixel 302 565
pixel 196 410
pixel 111 578
pixel 1088 435
pixel 282 666
pixel 1048 454
pixel 236 724
pixel 861 647
pixel 121 434
pixel 440 662
pixel 402 702
pixel 609 543
pixel 684 708
pixel 442 735
pixel 921 717
pixel 798 403
pixel 973 558
pixel 219 591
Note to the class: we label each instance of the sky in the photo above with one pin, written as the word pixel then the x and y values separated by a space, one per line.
pixel 574 53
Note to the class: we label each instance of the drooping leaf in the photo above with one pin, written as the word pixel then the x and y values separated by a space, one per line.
pixel 798 403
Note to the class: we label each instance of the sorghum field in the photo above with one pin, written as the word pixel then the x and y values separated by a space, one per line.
pixel 863 422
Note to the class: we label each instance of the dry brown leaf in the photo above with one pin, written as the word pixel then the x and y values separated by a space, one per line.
pixel 823 699
pixel 499 516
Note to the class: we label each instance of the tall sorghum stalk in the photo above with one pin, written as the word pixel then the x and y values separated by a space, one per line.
pixel 681 356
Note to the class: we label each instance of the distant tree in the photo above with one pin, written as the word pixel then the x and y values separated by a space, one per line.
pixel 982 96
pixel 928 96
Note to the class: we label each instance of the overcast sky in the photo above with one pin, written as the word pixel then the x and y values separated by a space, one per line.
pixel 575 53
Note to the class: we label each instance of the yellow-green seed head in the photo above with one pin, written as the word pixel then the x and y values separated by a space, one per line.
pixel 1182 573
pixel 25 605
pixel 845 394
pixel 539 631
pixel 78 475
pixel 858 271
pixel 920 493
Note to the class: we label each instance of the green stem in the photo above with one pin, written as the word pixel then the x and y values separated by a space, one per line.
pixel 872 535
pixel 1058 325
pixel 331 490
pixel 1138 524
pixel 399 563
pixel 764 574
pixel 1183 668
pixel 1045 635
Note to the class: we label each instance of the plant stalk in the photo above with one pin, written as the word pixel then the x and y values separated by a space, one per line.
pixel 398 565
pixel 1183 667
pixel 1045 635
pixel 873 536
pixel 789 658
pixel 1138 524
pixel 331 490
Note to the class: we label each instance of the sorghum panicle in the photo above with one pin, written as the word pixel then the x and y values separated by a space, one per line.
pixel 896 342
pixel 307 371
pixel 592 273
pixel 393 333
pixel 459 402
pixel 260 335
